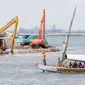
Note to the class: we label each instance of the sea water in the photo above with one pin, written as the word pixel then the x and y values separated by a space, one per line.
pixel 76 44
pixel 20 69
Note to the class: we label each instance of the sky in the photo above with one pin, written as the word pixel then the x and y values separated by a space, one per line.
pixel 29 12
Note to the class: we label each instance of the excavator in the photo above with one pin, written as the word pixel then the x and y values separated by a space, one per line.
pixel 41 41
pixel 36 40
pixel 15 22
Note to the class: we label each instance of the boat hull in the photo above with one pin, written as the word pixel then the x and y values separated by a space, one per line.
pixel 54 68
pixel 71 70
pixel 49 68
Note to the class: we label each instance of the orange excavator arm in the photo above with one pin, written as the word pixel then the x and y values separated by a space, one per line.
pixel 42 26
pixel 41 32
pixel 15 22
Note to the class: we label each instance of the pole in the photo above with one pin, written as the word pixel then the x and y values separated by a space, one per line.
pixel 65 49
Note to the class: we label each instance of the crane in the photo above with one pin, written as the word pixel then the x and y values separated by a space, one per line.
pixel 15 22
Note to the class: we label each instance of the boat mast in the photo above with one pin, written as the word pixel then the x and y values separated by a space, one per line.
pixel 67 39
pixel 44 24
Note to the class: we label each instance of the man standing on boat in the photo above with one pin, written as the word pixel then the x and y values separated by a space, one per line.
pixel 59 62
pixel 44 58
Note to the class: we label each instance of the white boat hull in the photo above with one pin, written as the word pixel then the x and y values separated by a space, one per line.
pixel 49 68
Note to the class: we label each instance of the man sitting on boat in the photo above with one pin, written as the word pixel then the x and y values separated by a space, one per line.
pixel 80 65
pixel 70 65
pixel 75 65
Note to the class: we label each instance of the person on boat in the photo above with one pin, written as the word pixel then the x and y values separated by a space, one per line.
pixel 59 62
pixel 84 65
pixel 70 65
pixel 80 65
pixel 75 65
pixel 44 58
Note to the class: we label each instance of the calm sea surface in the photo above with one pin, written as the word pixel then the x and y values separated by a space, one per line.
pixel 76 44
pixel 20 69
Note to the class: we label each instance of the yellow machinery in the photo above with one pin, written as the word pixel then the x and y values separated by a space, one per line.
pixel 15 22
pixel 2 43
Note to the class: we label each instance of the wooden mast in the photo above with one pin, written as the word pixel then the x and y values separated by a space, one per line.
pixel 43 23
pixel 65 49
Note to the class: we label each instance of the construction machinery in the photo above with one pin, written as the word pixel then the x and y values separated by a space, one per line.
pixel 3 46
pixel 35 40
pixel 41 41
pixel 15 22
pixel 25 39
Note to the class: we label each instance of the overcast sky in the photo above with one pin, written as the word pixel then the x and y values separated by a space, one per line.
pixel 58 12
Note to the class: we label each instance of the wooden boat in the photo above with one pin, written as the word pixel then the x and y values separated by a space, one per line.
pixel 72 58
pixel 61 69
pixel 66 59
pixel 66 68
pixel 71 70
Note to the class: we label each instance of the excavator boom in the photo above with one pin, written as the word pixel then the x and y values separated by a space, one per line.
pixel 15 22
pixel 42 26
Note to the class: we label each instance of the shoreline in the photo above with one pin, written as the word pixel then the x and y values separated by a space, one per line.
pixel 57 34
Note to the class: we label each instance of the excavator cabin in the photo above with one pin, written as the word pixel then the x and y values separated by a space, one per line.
pixel 2 44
